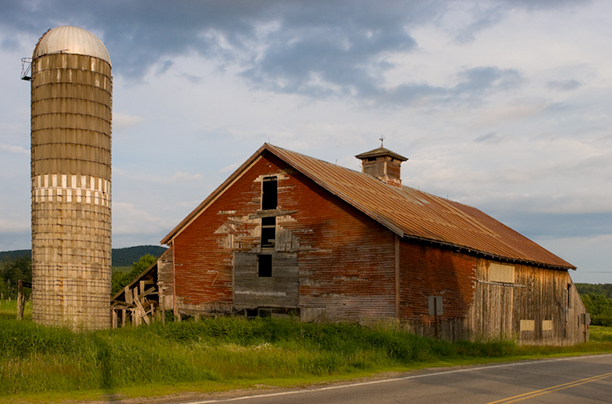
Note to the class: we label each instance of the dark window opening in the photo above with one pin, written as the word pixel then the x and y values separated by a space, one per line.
pixel 269 200
pixel 269 197
pixel 569 295
pixel 268 231
pixel 264 266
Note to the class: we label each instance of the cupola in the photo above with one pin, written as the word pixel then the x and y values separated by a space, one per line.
pixel 383 164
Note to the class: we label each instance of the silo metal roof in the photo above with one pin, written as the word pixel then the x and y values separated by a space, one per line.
pixel 68 39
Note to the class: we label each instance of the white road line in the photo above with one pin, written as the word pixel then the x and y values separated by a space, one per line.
pixel 344 386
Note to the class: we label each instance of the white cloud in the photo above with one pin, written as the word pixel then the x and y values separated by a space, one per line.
pixel 125 121
pixel 229 168
pixel 178 177
pixel 13 149
pixel 131 219
pixel 517 111
pixel 14 226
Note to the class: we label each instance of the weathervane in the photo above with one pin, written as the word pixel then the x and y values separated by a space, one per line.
pixel 381 138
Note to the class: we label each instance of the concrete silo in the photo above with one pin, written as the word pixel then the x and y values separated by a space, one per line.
pixel 71 86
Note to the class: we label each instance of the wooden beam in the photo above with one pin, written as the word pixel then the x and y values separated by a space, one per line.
pixel 142 313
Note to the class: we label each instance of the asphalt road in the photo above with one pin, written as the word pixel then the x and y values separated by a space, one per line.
pixel 585 379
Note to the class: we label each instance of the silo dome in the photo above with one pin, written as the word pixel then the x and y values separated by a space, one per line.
pixel 68 39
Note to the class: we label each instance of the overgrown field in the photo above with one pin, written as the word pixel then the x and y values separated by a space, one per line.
pixel 37 359
pixel 8 309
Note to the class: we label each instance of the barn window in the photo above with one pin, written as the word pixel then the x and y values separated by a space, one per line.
pixel 268 231
pixel 269 200
pixel 527 325
pixel 501 273
pixel 569 295
pixel 269 193
pixel 264 265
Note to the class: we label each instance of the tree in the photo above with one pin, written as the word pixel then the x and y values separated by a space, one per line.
pixel 13 270
pixel 121 280
pixel 600 308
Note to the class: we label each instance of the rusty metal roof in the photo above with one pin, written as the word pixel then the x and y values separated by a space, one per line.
pixel 408 212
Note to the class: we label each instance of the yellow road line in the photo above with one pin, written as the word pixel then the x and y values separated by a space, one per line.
pixel 552 389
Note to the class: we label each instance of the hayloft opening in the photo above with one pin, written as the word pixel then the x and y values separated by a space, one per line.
pixel 269 200
pixel 268 231
pixel 264 266
pixel 269 193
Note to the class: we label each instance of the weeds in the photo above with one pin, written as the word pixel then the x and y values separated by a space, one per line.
pixel 35 358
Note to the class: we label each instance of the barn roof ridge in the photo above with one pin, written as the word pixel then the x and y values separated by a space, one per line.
pixel 406 211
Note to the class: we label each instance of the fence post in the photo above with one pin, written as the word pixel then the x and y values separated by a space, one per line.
pixel 20 299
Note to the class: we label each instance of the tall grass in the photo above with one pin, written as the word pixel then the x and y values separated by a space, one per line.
pixel 35 358
pixel 8 309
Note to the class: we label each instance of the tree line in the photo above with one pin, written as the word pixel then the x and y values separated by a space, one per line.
pixel 14 269
pixel 597 299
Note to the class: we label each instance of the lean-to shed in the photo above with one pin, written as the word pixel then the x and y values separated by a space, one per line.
pixel 288 233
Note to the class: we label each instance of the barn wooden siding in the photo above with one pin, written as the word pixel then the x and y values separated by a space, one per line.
pixel 165 280
pixel 426 270
pixel 534 306
pixel 541 306
pixel 346 260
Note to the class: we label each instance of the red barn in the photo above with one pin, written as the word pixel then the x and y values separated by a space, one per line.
pixel 288 233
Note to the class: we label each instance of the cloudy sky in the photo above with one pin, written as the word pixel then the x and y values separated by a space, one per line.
pixel 502 105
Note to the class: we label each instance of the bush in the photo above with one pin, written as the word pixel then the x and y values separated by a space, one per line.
pixel 121 280
pixel 602 320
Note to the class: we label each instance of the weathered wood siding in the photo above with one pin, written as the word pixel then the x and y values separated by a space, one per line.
pixel 534 309
pixel 345 259
pixel 277 291
pixel 165 280
pixel 426 270
pixel 484 299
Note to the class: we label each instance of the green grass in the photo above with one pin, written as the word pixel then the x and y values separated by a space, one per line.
pixel 600 333
pixel 8 310
pixel 40 363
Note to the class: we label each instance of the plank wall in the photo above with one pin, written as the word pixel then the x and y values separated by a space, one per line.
pixel 425 271
pixel 346 261
pixel 541 306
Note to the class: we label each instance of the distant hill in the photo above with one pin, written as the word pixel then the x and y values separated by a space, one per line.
pixel 122 257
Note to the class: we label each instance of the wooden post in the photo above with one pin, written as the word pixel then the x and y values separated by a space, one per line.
pixel 113 318
pixel 162 308
pixel 435 302
pixel 20 299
